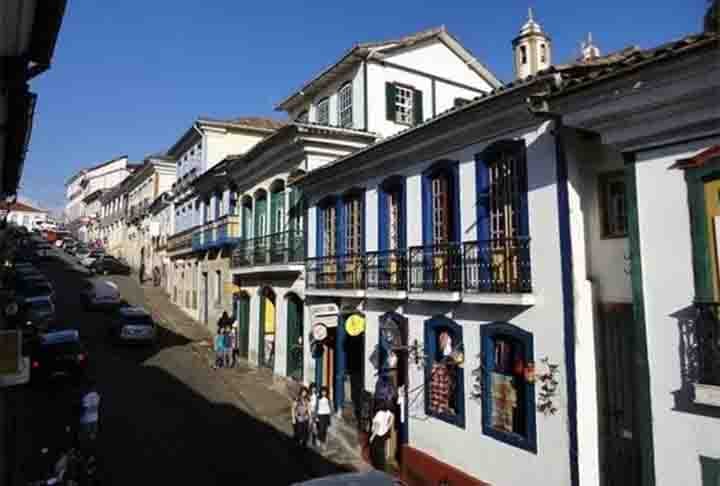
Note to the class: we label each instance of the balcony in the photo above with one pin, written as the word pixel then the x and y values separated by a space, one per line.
pixel 227 230
pixel 483 272
pixel 706 354
pixel 344 273
pixel 387 273
pixel 436 268
pixel 284 248
pixel 197 240
pixel 182 241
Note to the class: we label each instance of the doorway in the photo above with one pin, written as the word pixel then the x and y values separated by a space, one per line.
pixel 620 444
pixel 353 349
pixel 242 317
pixel 295 356
pixel 393 366
pixel 266 323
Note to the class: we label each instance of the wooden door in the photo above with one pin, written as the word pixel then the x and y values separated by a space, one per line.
pixel 620 443
pixel 295 358
pixel 242 315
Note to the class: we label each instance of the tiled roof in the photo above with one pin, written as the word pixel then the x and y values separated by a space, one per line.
pixel 18 206
pixel 258 122
pixel 556 80
pixel 699 160
pixel 365 49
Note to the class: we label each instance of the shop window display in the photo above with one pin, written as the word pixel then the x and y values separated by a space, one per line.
pixel 444 380
pixel 508 390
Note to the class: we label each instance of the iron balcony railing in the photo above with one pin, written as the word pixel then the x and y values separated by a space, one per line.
pixel 197 240
pixel 707 328
pixel 181 241
pixel 277 248
pixel 500 265
pixel 208 237
pixel 436 267
pixel 336 272
pixel 387 270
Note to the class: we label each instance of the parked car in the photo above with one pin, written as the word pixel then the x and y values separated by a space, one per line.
pixel 43 250
pixel 82 252
pixel 33 279
pixel 58 354
pixel 33 288
pixel 91 257
pixel 100 293
pixel 107 264
pixel 37 313
pixel 133 324
pixel 371 478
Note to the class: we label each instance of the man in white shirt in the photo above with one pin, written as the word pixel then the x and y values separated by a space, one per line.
pixel 89 412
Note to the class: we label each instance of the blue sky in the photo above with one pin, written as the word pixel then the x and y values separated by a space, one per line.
pixel 129 77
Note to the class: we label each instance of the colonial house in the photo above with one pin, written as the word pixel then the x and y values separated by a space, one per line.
pixel 161 228
pixel 22 214
pixel 375 90
pixel 113 218
pixel 497 267
pixel 154 177
pixel 85 184
pixel 206 143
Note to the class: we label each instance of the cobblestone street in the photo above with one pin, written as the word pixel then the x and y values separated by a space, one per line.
pixel 166 416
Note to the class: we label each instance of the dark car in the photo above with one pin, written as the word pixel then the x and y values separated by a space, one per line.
pixel 108 264
pixel 34 288
pixel 58 354
pixel 37 314
pixel 132 324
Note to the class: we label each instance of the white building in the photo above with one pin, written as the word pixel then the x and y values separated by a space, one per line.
pixel 22 214
pixel 85 185
pixel 481 260
pixel 375 90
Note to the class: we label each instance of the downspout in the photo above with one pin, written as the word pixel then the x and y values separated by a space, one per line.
pixel 365 95
pixel 539 107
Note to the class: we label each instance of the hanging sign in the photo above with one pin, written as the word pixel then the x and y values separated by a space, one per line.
pixel 319 332
pixel 355 325
pixel 325 314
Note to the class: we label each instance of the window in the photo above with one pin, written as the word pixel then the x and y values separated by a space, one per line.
pixel 613 210
pixel 218 287
pixel 345 118
pixel 444 378
pixel 404 104
pixel 394 218
pixel 440 187
pixel 523 55
pixel 353 225
pixel 322 116
pixel 508 410
pixel 543 53
pixel 328 230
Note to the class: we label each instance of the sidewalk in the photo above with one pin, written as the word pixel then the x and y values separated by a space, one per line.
pixel 258 392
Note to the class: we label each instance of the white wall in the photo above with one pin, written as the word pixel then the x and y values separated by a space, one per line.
pixel 667 279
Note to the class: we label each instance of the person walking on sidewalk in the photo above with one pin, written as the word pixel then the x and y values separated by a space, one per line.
pixel 301 417
pixel 141 273
pixel 313 392
pixel 89 413
pixel 381 425
pixel 324 412
pixel 224 321
pixel 219 349
pixel 227 347
pixel 234 342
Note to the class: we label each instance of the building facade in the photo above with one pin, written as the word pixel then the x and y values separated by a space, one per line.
pixel 374 91
pixel 498 268
pixel 205 144
pixel 24 215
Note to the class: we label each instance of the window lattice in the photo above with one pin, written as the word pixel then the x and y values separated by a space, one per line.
pixel 352 226
pixel 441 209
pixel 403 105
pixel 345 106
pixel 506 176
pixel 323 113
pixel 329 231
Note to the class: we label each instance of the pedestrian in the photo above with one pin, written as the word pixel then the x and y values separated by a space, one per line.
pixel 234 342
pixel 141 273
pixel 324 413
pixel 381 425
pixel 312 391
pixel 227 347
pixel 89 411
pixel 219 345
pixel 224 321
pixel 301 417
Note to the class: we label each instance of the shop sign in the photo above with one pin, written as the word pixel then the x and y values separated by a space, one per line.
pixel 325 314
pixel 355 324
pixel 319 332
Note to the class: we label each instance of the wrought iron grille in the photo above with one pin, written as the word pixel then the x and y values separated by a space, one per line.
pixel 436 267
pixel 387 270
pixel 500 265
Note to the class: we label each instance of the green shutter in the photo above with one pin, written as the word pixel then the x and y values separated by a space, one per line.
pixel 246 221
pixel 417 106
pixel 260 209
pixel 276 205
pixel 390 101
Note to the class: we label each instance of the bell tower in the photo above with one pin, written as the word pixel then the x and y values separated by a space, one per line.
pixel 531 49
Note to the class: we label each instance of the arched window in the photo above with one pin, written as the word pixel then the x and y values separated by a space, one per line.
pixel 444 376
pixel 508 409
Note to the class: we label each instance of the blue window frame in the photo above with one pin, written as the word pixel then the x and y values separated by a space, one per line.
pixel 447 172
pixel 392 214
pixel 508 408
pixel 444 380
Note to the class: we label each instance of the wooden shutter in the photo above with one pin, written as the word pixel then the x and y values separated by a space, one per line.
pixel 390 101
pixel 417 106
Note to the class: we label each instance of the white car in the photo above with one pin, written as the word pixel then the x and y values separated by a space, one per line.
pixel 100 293
pixel 91 257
